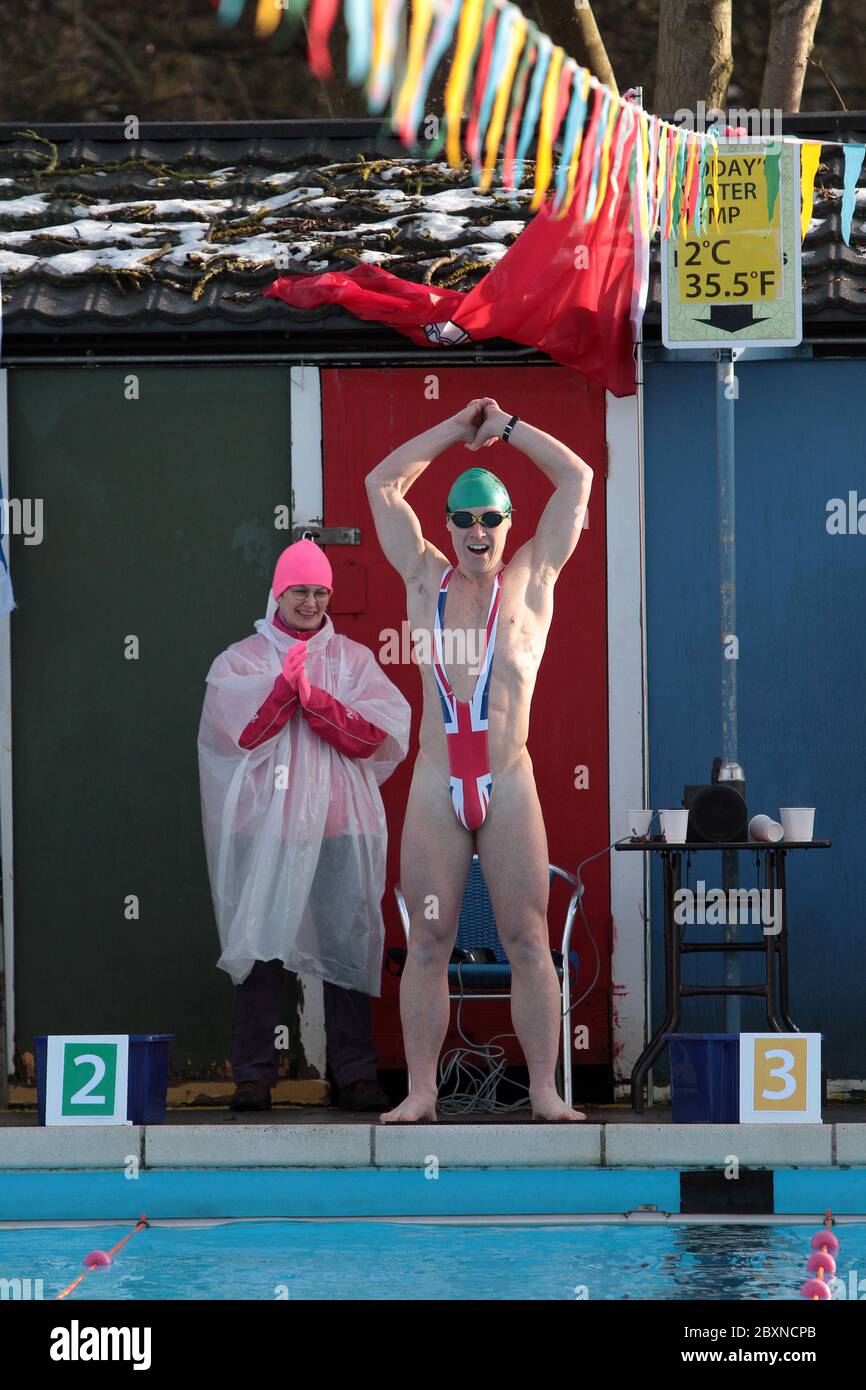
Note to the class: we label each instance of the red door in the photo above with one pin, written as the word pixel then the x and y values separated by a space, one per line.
pixel 367 412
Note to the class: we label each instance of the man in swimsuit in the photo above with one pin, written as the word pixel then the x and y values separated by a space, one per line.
pixel 473 733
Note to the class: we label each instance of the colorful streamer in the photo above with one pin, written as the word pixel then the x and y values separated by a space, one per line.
pixel 519 92
pixel 533 105
pixel 497 121
pixel 518 99
pixel 422 19
pixel 810 155
pixel 853 155
pixel 440 42
pixel 488 41
pixel 358 15
pixel 544 159
pixel 268 16
pixel 471 19
pixel 323 16
pixel 386 16
pixel 229 12
pixel 571 142
pixel 509 16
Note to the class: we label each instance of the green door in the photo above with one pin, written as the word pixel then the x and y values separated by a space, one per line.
pixel 160 487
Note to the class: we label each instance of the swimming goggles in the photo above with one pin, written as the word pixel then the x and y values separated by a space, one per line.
pixel 487 519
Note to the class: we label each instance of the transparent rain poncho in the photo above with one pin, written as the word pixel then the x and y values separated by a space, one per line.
pixel 294 831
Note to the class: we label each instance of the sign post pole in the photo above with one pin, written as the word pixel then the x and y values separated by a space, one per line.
pixel 730 769
pixel 732 284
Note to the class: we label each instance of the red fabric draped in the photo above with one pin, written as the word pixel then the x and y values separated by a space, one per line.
pixel 564 287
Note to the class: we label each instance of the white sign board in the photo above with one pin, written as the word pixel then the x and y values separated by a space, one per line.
pixel 86 1079
pixel 780 1078
pixel 737 282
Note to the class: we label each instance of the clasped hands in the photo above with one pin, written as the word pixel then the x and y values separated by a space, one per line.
pixel 294 673
pixel 482 422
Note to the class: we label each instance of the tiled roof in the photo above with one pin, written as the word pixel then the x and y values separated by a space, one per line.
pixel 181 228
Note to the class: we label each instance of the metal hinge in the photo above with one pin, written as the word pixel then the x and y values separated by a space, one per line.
pixel 327 535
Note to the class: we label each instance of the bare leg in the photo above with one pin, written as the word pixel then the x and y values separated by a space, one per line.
pixel 434 863
pixel 512 849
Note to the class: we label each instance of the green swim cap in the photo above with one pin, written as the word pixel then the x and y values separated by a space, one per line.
pixel 477 488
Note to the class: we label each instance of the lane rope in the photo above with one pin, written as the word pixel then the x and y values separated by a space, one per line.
pixel 101 1259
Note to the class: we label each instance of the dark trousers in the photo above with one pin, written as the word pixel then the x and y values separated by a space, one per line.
pixel 259 1009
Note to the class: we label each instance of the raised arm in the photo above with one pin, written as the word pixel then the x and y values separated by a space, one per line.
pixel 397 526
pixel 560 524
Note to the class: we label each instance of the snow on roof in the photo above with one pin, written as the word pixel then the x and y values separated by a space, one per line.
pixel 85 212
pixel 205 221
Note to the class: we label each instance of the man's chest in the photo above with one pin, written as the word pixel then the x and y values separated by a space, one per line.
pixel 463 634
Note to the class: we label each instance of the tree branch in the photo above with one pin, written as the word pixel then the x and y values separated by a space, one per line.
pixel 792 33
pixel 571 24
pixel 694 54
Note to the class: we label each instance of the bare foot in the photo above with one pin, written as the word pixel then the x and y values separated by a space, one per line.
pixel 552 1109
pixel 418 1106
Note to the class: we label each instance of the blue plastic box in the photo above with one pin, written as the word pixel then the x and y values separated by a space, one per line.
pixel 147 1086
pixel 705 1078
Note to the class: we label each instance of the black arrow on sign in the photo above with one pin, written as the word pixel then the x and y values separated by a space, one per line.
pixel 732 318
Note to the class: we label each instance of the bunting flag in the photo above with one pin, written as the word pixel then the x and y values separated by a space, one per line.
pixel 517 88
pixel 810 154
pixel 640 229
pixel 458 81
pixel 323 17
pixel 358 15
pixel 497 123
pixel 518 99
pixel 601 168
pixel 386 17
pixel 228 11
pixel 268 16
pixel 853 155
pixel 772 173
pixel 571 143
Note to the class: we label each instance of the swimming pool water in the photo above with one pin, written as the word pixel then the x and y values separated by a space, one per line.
pixel 301 1260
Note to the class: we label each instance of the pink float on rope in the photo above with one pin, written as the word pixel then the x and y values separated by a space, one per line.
pixel 825 1240
pixel 96 1259
pixel 815 1288
pixel 821 1260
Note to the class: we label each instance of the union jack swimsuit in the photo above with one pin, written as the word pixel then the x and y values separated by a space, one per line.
pixel 466 720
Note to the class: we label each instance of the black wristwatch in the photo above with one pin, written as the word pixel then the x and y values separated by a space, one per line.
pixel 508 428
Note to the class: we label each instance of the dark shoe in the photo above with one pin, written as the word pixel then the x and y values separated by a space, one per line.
pixel 363 1095
pixel 251 1095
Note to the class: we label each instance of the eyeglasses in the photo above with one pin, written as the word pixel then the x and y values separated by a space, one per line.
pixel 487 519
pixel 320 595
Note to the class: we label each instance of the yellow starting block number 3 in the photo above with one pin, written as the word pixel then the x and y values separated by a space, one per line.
pixel 780 1078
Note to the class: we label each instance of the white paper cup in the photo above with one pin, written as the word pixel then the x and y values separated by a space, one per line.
pixel 639 822
pixel 765 828
pixel 675 826
pixel 798 822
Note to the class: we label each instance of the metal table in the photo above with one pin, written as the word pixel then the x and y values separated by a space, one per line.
pixel 774 946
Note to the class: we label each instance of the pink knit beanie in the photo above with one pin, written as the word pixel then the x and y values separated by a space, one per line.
pixel 302 563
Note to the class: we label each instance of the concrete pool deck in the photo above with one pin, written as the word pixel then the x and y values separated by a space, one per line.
pixel 300 1138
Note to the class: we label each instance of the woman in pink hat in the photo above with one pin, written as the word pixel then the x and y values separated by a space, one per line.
pixel 300 727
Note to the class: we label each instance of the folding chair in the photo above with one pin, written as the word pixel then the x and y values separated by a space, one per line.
pixel 476 927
